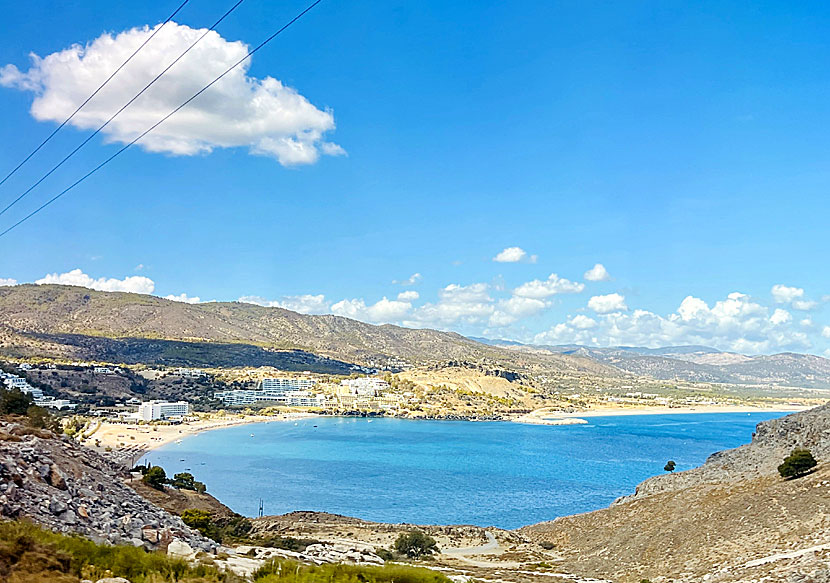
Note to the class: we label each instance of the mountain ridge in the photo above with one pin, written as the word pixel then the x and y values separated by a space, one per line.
pixel 43 316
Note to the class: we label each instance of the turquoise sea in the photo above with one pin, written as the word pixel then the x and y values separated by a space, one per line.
pixel 447 472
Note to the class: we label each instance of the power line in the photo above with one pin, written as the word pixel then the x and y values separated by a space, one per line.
pixel 94 93
pixel 117 113
pixel 162 120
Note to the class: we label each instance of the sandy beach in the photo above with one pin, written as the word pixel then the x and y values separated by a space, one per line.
pixel 128 442
pixel 551 417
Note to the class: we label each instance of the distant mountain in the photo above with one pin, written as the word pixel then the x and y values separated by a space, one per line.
pixel 699 364
pixel 79 323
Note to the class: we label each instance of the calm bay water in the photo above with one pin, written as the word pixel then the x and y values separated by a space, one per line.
pixel 447 472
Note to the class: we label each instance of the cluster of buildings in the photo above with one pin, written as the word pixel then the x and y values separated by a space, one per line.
pixel 280 391
pixel 13 381
pixel 190 373
pixel 364 386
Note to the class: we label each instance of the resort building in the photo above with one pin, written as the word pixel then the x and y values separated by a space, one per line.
pixel 192 373
pixel 13 381
pixel 284 384
pixel 154 410
pixel 278 396
pixel 54 403
pixel 367 386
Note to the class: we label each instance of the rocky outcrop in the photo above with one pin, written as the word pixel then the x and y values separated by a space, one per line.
pixel 352 552
pixel 54 482
pixel 771 442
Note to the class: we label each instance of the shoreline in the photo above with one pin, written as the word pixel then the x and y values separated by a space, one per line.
pixel 130 442
pixel 550 417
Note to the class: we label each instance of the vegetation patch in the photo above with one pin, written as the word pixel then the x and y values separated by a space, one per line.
pixel 29 553
pixel 283 571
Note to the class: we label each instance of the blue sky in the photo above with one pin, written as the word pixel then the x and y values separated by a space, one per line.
pixel 682 147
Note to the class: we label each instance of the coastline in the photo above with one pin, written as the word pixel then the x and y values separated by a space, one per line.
pixel 550 417
pixel 129 442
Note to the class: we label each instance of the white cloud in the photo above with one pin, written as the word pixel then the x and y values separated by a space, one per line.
pixel 411 280
pixel 409 295
pixel 262 115
pixel 784 294
pixel 514 309
pixel 608 303
pixel 139 267
pixel 804 305
pixel 597 273
pixel 134 284
pixel 825 331
pixel 780 317
pixel 303 304
pixel 470 304
pixel 582 322
pixel 184 298
pixel 384 311
pixel 7 281
pixel 513 255
pixel 545 288
pixel 736 323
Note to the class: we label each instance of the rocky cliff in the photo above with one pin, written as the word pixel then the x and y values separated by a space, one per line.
pixel 52 481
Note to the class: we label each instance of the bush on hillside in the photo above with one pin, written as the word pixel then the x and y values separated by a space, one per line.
pixel 415 544
pixel 221 529
pixel 155 477
pixel 186 481
pixel 798 463
pixel 14 402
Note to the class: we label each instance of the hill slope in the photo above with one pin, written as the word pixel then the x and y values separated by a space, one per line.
pixel 68 320
pixel 699 364
pixel 732 519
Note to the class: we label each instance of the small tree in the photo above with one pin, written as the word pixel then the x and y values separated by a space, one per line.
pixel 669 467
pixel 798 463
pixel 415 544
pixel 155 477
pixel 186 481
pixel 14 401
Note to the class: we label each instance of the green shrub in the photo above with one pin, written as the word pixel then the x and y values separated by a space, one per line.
pixel 14 402
pixel 155 477
pixel 186 481
pixel 415 544
pixel 283 571
pixel 30 553
pixel 221 529
pixel 798 463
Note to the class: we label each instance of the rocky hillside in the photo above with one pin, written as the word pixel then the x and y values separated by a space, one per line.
pixel 733 519
pixel 771 442
pixel 75 322
pixel 699 364
pixel 56 483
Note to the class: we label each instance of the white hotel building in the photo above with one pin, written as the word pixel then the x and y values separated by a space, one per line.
pixel 282 391
pixel 155 410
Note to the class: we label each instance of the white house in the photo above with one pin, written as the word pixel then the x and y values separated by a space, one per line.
pixel 153 410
